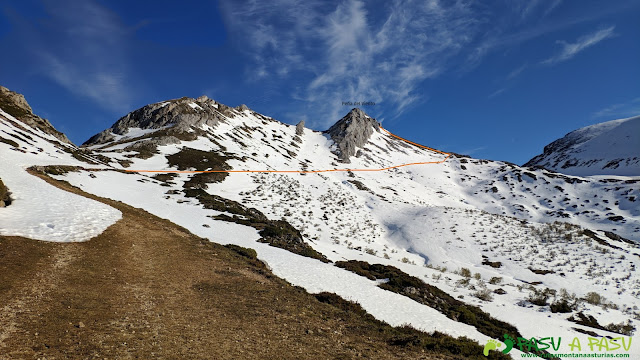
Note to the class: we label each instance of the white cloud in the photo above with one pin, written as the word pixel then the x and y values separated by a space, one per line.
pixel 621 110
pixel 82 47
pixel 516 72
pixel 553 6
pixel 352 50
pixel 471 151
pixel 496 93
pixel 570 50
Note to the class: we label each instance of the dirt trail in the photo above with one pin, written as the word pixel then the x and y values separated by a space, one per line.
pixel 147 288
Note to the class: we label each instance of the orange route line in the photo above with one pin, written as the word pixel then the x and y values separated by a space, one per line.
pixel 309 171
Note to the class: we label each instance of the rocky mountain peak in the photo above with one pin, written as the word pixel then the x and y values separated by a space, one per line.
pixel 16 105
pixel 351 132
pixel 181 115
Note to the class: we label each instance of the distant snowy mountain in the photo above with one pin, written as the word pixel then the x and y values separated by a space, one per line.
pixel 608 148
pixel 488 234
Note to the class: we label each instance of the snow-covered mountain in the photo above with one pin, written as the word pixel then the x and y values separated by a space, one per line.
pixel 510 240
pixel 608 148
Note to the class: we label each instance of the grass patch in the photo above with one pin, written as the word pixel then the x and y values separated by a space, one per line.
pixel 199 160
pixel 243 251
pixel 414 288
pixel 408 337
pixel 278 233
pixel 56 169
pixel 189 158
pixel 200 180
pixel 165 177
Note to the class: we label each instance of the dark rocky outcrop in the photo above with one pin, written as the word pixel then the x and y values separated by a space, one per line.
pixel 5 198
pixel 351 132
pixel 300 128
pixel 181 115
pixel 15 105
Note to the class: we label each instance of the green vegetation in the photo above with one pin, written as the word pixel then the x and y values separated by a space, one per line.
pixel 622 328
pixel 565 302
pixel 540 297
pixel 200 180
pixel 414 288
pixel 594 298
pixel 408 337
pixel 243 251
pixel 145 149
pixel 278 233
pixel 56 169
pixel 188 158
pixel 164 177
pixel 562 306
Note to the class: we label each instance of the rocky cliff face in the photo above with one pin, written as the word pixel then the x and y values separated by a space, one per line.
pixel 179 114
pixel 352 132
pixel 16 105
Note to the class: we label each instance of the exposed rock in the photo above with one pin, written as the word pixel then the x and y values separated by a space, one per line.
pixel 180 114
pixel 351 132
pixel 300 128
pixel 153 142
pixel 242 107
pixel 15 105
pixel 5 198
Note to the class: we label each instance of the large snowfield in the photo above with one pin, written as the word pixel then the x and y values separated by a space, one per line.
pixel 431 221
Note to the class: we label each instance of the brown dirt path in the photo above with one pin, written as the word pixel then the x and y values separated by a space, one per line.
pixel 146 288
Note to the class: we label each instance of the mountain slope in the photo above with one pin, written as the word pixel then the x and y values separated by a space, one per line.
pixel 530 228
pixel 608 148
pixel 36 209
pixel 494 241
pixel 110 295
pixel 148 288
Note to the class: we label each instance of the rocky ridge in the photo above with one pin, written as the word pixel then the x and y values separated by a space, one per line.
pixel 16 105
pixel 608 148
pixel 178 114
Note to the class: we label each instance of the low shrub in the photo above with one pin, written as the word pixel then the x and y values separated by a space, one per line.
pixel 243 251
pixel 426 294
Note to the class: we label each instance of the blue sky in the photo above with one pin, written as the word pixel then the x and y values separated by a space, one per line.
pixel 496 80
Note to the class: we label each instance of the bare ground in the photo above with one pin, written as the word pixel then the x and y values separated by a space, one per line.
pixel 147 288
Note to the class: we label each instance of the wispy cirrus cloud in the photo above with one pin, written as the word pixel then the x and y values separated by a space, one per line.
pixel 620 110
pixel 81 46
pixel 496 93
pixel 326 52
pixel 516 72
pixel 569 50
pixel 344 51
